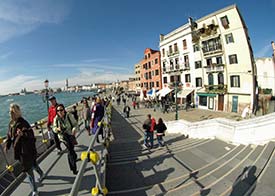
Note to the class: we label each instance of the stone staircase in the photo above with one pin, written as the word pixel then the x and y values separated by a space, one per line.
pixel 186 166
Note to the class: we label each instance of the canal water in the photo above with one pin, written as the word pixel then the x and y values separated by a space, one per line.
pixel 34 107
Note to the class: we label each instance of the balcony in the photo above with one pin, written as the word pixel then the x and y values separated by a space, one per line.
pixel 214 68
pixel 208 50
pixel 218 89
pixel 171 53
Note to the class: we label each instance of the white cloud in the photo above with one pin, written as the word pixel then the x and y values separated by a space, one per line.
pixel 19 17
pixel 17 83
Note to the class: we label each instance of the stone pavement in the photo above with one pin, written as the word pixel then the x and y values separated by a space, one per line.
pixel 192 115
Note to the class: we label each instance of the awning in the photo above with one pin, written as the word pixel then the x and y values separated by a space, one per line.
pixel 150 92
pixel 163 92
pixel 207 94
pixel 184 93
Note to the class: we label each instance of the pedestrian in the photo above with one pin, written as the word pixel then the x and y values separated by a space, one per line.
pixel 21 137
pixel 96 117
pixel 148 126
pixel 51 116
pixel 246 112
pixel 75 113
pixel 86 114
pixel 66 126
pixel 161 128
pixel 134 104
pixel 126 111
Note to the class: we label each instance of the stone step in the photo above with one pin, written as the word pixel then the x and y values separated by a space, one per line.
pixel 184 174
pixel 145 151
pixel 159 153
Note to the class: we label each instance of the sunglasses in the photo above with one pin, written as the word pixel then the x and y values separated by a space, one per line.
pixel 60 110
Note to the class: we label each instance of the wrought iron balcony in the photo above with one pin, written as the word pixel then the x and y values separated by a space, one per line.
pixel 171 53
pixel 214 68
pixel 218 89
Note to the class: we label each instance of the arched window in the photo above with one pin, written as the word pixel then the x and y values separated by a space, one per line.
pixel 210 79
pixel 220 78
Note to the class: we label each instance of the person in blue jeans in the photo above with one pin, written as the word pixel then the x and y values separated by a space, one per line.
pixel 21 137
pixel 161 128
pixel 149 126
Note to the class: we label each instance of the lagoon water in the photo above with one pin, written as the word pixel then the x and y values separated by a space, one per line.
pixel 33 106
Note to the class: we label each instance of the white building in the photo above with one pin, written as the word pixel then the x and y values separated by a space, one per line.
pixel 213 59
pixel 266 73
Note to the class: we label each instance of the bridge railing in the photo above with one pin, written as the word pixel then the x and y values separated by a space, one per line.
pixel 10 169
pixel 98 161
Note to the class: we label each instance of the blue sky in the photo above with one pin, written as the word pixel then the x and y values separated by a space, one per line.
pixel 90 41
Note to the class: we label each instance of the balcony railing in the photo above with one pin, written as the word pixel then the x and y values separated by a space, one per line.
pixel 218 89
pixel 214 68
pixel 176 68
pixel 171 53
pixel 207 50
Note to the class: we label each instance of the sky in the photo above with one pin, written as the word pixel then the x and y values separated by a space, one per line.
pixel 90 41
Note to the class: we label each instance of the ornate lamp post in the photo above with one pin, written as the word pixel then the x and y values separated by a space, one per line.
pixel 46 84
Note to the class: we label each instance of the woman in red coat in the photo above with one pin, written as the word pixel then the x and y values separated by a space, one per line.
pixel 22 138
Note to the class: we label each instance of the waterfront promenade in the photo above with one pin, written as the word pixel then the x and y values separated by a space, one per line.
pixel 134 170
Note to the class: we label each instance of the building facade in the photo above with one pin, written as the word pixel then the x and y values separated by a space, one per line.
pixel 150 71
pixel 213 59
pixel 137 77
pixel 266 74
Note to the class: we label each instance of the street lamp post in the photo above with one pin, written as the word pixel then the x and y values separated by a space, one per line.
pixel 177 83
pixel 176 93
pixel 46 84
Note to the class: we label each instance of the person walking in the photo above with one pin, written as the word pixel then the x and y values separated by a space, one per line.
pixel 21 137
pixel 65 126
pixel 96 117
pixel 126 111
pixel 148 126
pixel 75 113
pixel 86 114
pixel 161 128
pixel 51 116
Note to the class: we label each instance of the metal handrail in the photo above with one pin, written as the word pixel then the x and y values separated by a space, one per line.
pixel 100 183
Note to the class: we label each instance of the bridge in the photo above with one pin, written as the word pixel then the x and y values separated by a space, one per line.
pixel 184 166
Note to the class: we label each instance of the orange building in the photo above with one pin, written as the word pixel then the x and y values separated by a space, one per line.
pixel 150 71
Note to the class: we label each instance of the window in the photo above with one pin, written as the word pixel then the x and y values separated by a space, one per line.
pixel 150 75
pixel 229 38
pixel 196 47
pixel 197 64
pixel 187 78
pixel 156 61
pixel 148 56
pixel 235 81
pixel 157 84
pixel 145 57
pixel 198 82
pixel 209 62
pixel 184 44
pixel 219 60
pixel 225 22
pixel 153 73
pixel 163 52
pixel 220 78
pixel 233 59
pixel 157 72
pixel 170 49
pixel 149 65
pixel 165 80
pixel 186 61
pixel 203 100
pixel 152 85
pixel 176 47
pixel 177 63
pixel 212 45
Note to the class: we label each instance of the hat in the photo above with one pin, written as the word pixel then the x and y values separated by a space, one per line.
pixel 52 97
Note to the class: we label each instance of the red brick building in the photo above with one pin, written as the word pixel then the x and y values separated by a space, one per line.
pixel 150 71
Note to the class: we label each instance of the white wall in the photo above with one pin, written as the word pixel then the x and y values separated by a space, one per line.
pixel 258 130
